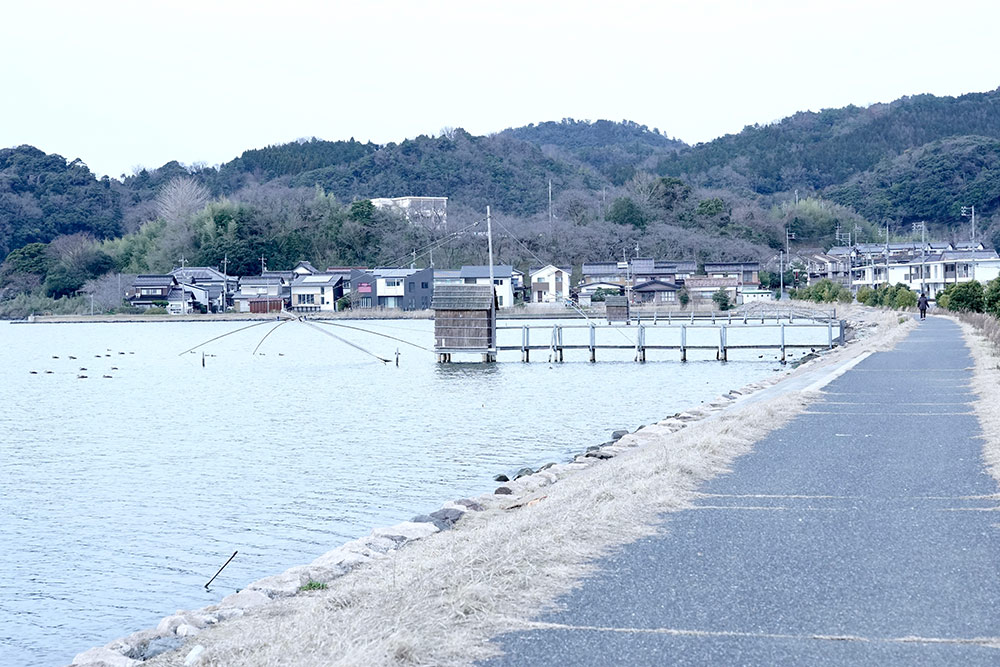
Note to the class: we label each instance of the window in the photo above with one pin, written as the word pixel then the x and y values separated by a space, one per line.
pixel 322 290
pixel 307 298
pixel 500 300
pixel 412 286
pixel 470 281
pixel 424 286
pixel 393 282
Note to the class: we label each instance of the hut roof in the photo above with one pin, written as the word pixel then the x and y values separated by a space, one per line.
pixel 462 297
pixel 615 301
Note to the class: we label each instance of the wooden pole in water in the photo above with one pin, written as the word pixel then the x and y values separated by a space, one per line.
pixel 222 568
pixel 684 336
pixel 593 347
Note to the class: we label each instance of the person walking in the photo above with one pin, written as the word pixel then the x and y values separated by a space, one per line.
pixel 922 305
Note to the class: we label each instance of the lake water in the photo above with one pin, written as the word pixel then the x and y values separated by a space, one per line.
pixel 120 496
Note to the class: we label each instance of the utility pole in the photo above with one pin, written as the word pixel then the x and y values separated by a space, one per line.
pixel 789 236
pixel 413 262
pixel 550 203
pixel 968 211
pixel 489 236
pixel 922 226
pixel 781 273
pixel 262 265
pixel 886 252
pixel 183 261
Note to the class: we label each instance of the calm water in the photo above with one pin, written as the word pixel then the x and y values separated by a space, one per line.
pixel 121 496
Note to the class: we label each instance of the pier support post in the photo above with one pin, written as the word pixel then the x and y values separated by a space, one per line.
pixel 829 334
pixel 843 332
pixel 640 344
pixel 684 338
pixel 525 344
pixel 723 354
pixel 782 342
pixel 593 344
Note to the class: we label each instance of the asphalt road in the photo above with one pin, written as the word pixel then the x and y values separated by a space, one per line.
pixel 863 532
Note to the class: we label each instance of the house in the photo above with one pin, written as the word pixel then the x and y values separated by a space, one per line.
pixel 824 266
pixel 185 299
pixel 646 269
pixel 746 272
pixel 703 288
pixel 317 292
pixel 407 289
pixel 220 286
pixel 502 281
pixel 150 290
pixel 344 272
pixel 615 273
pixel 447 277
pixel 550 283
pixel 260 294
pixel 304 269
pixel 655 292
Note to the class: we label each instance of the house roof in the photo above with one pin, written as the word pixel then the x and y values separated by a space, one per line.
pixel 656 286
pixel 731 266
pixel 444 274
pixel 601 269
pixel 307 266
pixel 199 274
pixel 610 301
pixel 968 254
pixel 154 280
pixel 499 271
pixel 462 297
pixel 536 269
pixel 394 273
pixel 318 279
pixel 265 279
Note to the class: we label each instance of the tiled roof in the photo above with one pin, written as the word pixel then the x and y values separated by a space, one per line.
pixel 499 271
pixel 201 274
pixel 462 297
pixel 702 282
pixel 154 280
pixel 318 279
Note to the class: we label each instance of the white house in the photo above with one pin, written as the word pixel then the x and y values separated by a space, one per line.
pixel 502 281
pixel 316 292
pixel 550 283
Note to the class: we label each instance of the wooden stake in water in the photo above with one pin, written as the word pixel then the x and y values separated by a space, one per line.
pixel 222 568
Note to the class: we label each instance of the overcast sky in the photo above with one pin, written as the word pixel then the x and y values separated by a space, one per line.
pixel 120 84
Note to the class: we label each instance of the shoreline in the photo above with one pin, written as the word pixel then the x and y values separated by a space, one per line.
pixel 362 559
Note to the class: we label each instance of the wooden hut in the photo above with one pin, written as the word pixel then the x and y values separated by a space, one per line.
pixel 465 321
pixel 617 309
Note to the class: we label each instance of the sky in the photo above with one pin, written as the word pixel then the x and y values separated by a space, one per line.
pixel 123 85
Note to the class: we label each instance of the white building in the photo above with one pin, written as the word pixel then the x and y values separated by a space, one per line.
pixel 432 212
pixel 930 273
pixel 550 283
pixel 316 292
pixel 502 281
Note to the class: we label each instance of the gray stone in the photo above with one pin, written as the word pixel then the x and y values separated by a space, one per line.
pixel 169 624
pixel 187 630
pixel 620 433
pixel 449 516
pixel 503 491
pixel 501 478
pixel 547 466
pixel 600 455
pixel 157 646
pixel 194 655
pixel 406 531
pixel 471 504
pixel 524 472
pixel 342 558
pixel 426 518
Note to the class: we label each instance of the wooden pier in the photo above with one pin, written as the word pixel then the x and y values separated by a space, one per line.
pixel 556 346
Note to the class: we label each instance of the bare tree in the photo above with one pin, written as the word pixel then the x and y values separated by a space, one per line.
pixel 179 199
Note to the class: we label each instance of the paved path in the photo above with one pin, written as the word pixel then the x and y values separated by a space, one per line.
pixel 862 522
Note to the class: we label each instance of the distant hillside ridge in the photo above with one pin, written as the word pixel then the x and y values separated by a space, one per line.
pixel 816 150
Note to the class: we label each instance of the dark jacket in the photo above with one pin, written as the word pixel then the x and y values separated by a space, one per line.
pixel 922 302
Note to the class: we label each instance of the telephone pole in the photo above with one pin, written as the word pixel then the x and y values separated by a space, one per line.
pixel 970 211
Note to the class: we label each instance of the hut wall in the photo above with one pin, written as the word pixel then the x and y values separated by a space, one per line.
pixel 463 329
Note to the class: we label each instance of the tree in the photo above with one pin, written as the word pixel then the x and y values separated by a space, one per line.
pixel 991 297
pixel 684 297
pixel 721 298
pixel 180 199
pixel 63 281
pixel 624 211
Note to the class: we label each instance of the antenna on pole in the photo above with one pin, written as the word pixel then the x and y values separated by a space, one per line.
pixel 550 202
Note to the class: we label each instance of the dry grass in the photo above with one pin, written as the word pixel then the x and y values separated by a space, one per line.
pixel 982 334
pixel 440 600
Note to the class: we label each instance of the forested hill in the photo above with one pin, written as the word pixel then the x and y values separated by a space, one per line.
pixel 616 150
pixel 812 151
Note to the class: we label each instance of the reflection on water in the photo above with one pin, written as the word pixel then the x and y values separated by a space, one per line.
pixel 122 495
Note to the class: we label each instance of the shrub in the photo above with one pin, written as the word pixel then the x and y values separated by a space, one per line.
pixel 684 297
pixel 991 297
pixel 313 586
pixel 721 299
pixel 967 297
pixel 155 310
